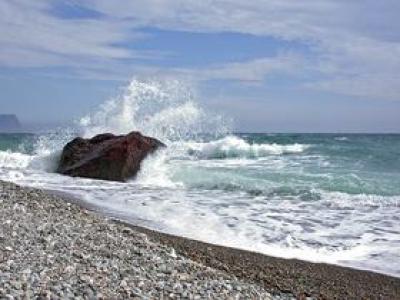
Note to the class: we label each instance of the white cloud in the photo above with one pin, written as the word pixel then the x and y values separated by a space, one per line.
pixel 359 66
pixel 252 71
pixel 30 35
pixel 354 45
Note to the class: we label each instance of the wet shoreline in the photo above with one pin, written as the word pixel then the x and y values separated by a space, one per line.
pixel 268 276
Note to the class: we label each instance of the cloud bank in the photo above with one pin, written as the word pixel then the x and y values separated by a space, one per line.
pixel 353 47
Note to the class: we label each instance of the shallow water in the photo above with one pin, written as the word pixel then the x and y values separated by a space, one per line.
pixel 320 197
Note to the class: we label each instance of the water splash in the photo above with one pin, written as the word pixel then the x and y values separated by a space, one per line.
pixel 165 109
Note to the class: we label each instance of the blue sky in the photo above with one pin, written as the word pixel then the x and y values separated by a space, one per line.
pixel 277 65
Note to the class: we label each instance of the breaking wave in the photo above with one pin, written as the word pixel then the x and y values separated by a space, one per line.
pixel 232 147
pixel 14 160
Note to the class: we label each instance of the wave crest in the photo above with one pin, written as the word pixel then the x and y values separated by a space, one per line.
pixel 235 147
pixel 14 160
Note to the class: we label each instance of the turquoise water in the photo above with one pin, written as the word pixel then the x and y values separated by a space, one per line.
pixel 352 164
pixel 23 142
pixel 366 164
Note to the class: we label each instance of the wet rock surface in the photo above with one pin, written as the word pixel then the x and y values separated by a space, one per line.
pixel 107 156
pixel 51 249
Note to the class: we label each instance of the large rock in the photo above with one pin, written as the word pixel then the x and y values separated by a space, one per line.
pixel 107 156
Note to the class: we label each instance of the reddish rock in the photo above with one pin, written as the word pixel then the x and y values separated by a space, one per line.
pixel 107 156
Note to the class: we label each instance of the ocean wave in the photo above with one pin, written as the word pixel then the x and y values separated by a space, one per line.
pixel 341 138
pixel 21 161
pixel 345 200
pixel 14 160
pixel 232 146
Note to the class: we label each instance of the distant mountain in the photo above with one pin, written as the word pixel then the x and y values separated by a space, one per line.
pixel 9 123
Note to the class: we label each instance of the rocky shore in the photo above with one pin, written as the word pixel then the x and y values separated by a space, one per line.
pixel 51 248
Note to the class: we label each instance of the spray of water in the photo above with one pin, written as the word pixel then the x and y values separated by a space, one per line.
pixel 165 109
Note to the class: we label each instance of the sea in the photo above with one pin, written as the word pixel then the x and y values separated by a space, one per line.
pixel 332 198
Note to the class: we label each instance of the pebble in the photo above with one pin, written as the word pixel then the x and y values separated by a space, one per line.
pixel 57 250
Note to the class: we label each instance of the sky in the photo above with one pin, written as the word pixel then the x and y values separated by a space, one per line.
pixel 271 65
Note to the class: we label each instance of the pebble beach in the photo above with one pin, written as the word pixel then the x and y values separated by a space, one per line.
pixel 51 248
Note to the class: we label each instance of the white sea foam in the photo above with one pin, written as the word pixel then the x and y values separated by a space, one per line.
pixel 14 160
pixel 341 138
pixel 19 161
pixel 154 171
pixel 232 146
